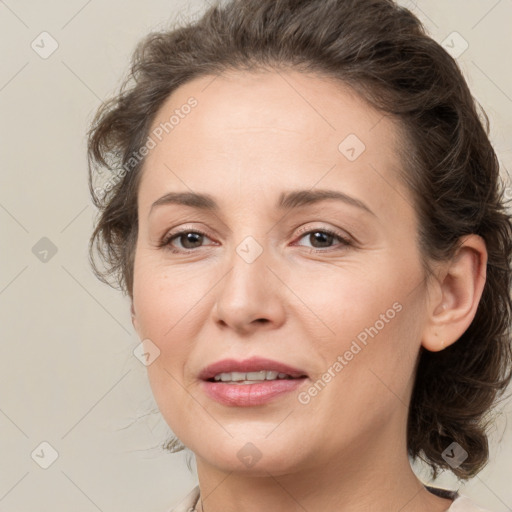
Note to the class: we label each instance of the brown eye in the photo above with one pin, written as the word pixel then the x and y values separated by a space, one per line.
pixel 323 238
pixel 188 240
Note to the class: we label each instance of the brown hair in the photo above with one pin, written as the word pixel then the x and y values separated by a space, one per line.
pixel 382 51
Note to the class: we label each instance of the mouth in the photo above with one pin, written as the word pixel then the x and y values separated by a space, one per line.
pixel 251 382
pixel 253 369
pixel 251 377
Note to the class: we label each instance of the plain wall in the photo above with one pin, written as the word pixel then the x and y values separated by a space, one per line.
pixel 68 376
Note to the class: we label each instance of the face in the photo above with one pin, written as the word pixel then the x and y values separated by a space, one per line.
pixel 331 286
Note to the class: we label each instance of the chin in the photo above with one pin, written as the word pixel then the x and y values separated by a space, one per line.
pixel 256 457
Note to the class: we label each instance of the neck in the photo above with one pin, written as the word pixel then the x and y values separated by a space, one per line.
pixel 372 474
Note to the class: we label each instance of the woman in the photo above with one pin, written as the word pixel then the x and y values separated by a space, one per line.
pixel 305 210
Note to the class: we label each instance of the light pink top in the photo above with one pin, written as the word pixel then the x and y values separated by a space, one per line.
pixel 461 503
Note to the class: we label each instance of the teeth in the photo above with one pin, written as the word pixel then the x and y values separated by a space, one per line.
pixel 250 376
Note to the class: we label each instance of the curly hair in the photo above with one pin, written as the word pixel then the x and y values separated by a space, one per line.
pixel 383 53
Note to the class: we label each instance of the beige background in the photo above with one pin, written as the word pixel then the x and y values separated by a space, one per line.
pixel 68 376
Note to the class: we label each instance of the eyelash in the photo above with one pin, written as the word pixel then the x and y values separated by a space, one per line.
pixel 166 240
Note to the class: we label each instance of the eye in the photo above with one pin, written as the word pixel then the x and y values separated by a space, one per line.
pixel 323 238
pixel 188 240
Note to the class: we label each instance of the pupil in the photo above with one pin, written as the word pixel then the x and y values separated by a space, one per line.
pixel 189 238
pixel 324 236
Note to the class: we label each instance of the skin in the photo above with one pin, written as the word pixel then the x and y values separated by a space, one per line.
pixel 252 136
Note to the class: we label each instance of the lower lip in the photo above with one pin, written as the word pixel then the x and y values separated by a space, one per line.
pixel 247 395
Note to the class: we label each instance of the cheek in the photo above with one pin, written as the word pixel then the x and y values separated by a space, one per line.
pixel 371 318
pixel 164 304
pixel 346 299
pixel 166 299
pixel 169 305
pixel 368 363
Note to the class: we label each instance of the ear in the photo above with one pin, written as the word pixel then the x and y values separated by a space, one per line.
pixel 455 294
pixel 135 323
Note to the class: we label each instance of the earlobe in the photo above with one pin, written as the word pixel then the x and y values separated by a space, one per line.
pixel 457 294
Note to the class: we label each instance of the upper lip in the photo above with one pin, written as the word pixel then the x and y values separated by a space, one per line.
pixel 253 364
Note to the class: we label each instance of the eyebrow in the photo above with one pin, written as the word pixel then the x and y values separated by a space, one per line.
pixel 287 200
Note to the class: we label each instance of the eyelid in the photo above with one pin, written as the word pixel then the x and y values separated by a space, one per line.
pixel 169 235
pixel 334 231
pixel 345 239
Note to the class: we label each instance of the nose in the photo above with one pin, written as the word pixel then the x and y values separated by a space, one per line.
pixel 250 296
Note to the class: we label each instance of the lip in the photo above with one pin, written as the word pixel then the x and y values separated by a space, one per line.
pixel 249 395
pixel 253 364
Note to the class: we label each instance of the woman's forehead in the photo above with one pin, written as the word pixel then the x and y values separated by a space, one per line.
pixel 309 105
pixel 287 127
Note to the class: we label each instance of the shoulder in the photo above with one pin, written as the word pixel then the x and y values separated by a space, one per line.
pixel 464 504
pixel 188 503
pixel 461 503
